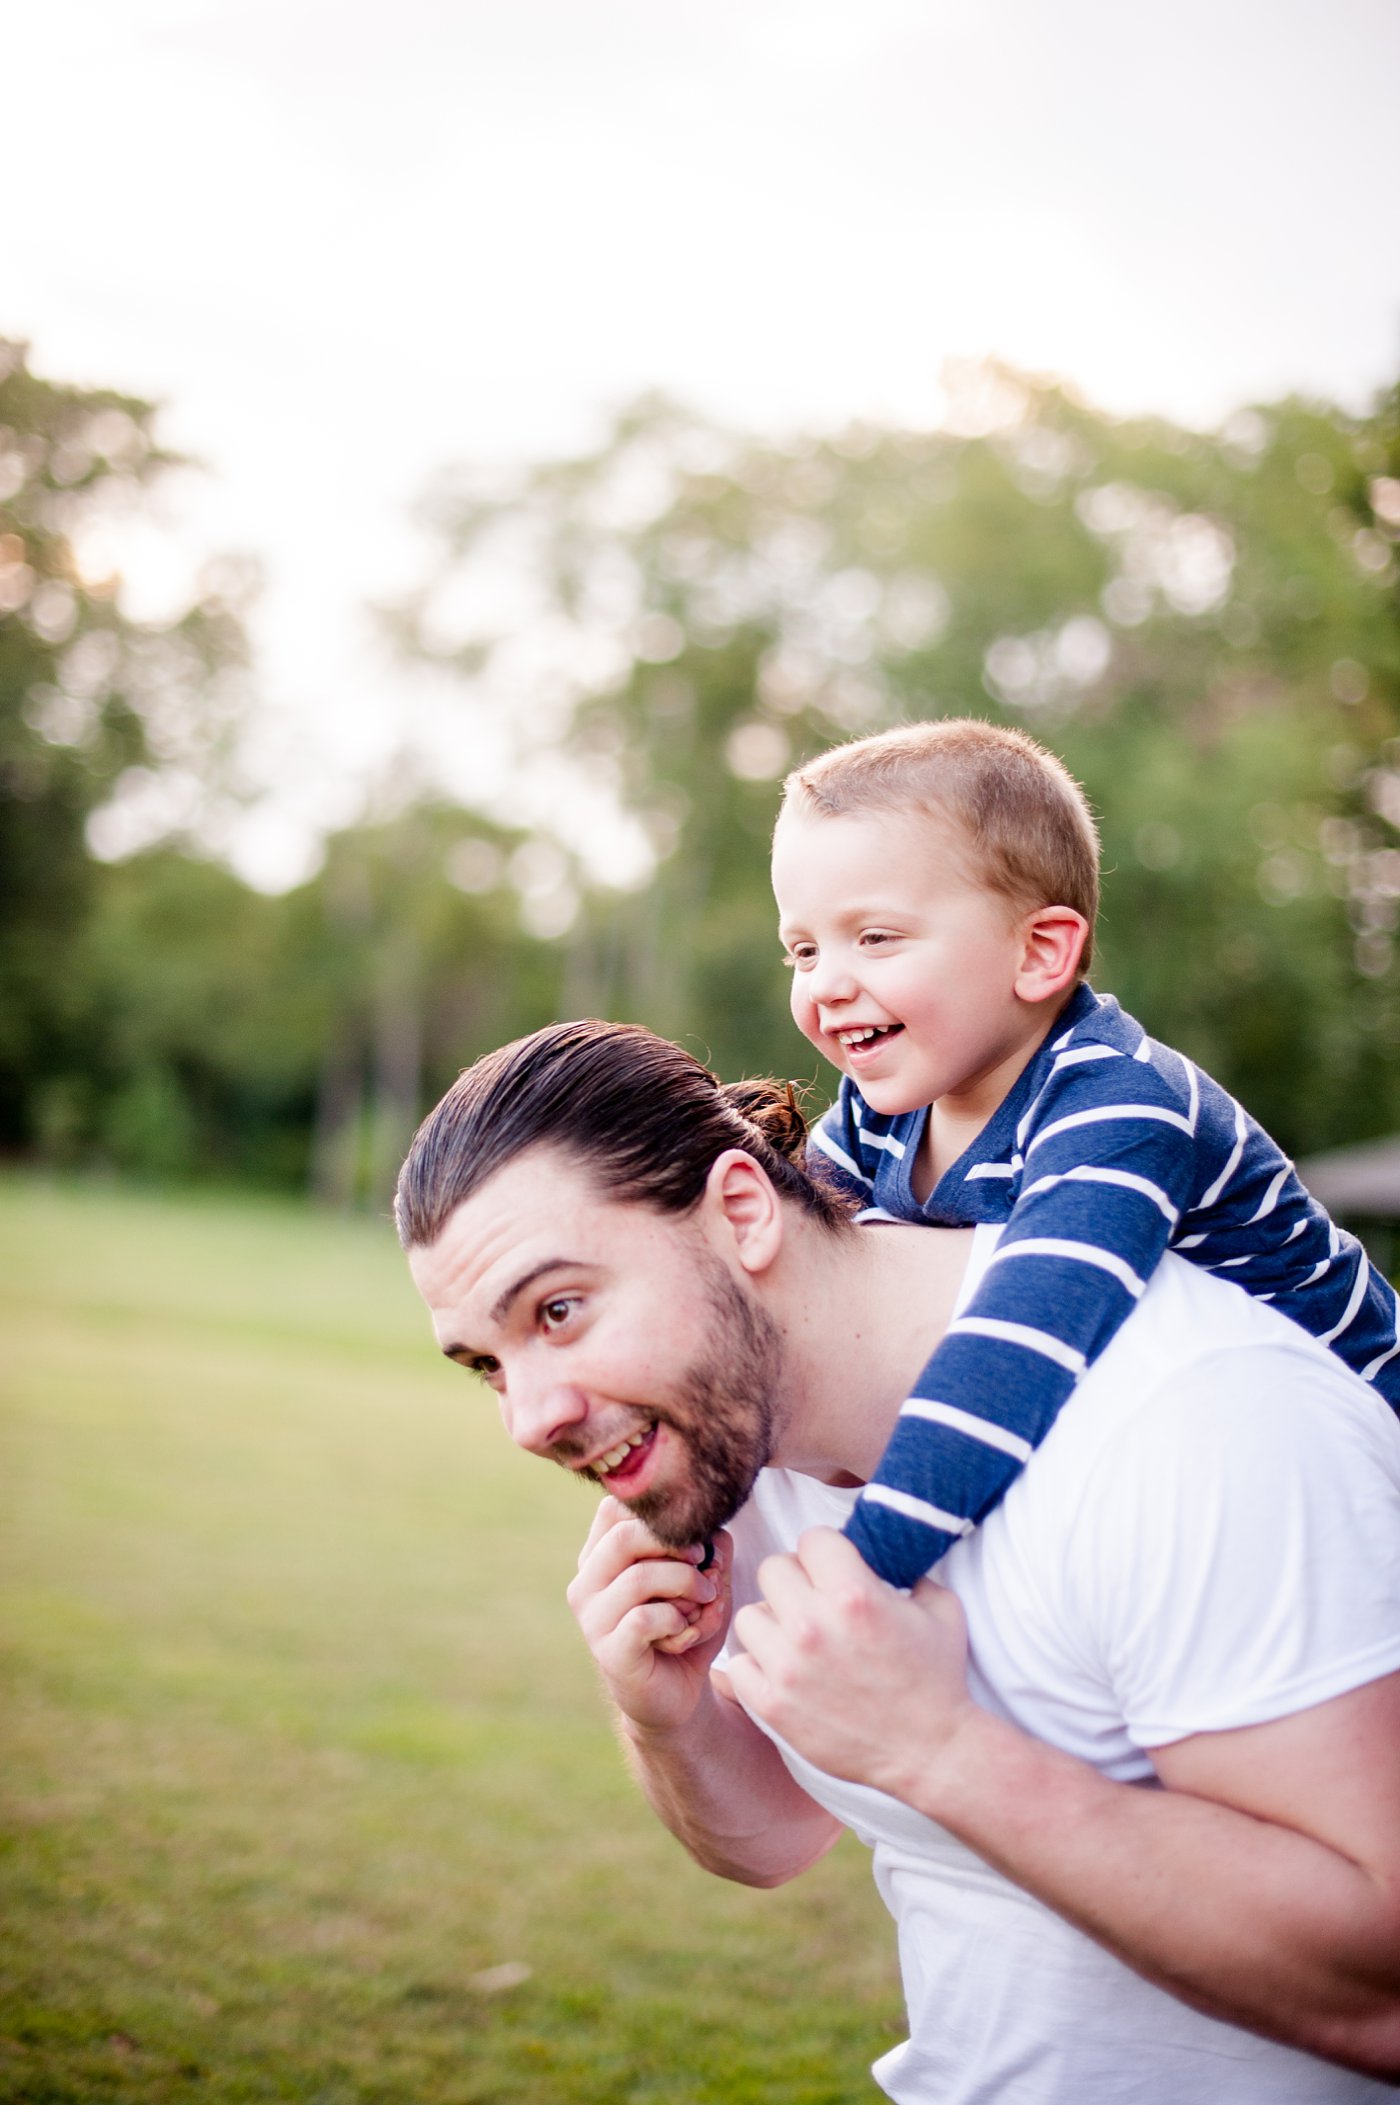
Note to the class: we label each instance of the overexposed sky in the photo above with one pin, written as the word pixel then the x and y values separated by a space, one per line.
pixel 345 244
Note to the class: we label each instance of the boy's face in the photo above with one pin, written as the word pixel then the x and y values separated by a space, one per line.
pixel 904 967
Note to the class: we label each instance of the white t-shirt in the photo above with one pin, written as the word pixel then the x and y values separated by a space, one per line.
pixel 1208 1537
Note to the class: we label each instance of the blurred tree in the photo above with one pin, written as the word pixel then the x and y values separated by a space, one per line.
pixel 292 1040
pixel 1207 626
pixel 1204 625
pixel 92 705
pixel 415 939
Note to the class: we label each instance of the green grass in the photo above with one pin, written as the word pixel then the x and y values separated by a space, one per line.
pixel 297 1739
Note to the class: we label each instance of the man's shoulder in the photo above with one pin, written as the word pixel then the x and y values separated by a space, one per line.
pixel 1216 1473
pixel 1189 1317
pixel 1206 1395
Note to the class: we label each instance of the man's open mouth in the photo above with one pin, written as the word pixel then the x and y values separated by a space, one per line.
pixel 623 1460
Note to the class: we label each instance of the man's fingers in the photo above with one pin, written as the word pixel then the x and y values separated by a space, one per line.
pixel 824 1570
pixel 617 1525
pixel 940 1604
pixel 827 1557
pixel 783 1583
pixel 648 1626
pixel 608 1513
pixel 747 1683
pixel 602 1609
pixel 617 1538
pixel 757 1630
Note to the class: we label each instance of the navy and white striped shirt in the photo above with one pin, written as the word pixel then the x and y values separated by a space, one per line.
pixel 1108 1150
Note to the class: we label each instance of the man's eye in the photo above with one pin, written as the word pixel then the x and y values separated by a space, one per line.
pixel 555 1314
pixel 484 1365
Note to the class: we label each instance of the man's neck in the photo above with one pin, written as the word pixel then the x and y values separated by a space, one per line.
pixel 864 1313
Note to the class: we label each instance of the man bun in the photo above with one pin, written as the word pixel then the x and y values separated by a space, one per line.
pixel 773 1108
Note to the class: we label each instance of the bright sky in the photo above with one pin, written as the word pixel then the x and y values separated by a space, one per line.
pixel 346 243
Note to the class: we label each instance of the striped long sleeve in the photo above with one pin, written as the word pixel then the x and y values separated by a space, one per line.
pixel 1109 1150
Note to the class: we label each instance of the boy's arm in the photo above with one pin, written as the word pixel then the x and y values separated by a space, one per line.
pixel 1109 1163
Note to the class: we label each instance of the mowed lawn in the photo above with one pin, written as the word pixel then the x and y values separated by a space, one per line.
pixel 308 1791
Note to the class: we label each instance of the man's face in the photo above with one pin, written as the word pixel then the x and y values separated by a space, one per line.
pixel 617 1341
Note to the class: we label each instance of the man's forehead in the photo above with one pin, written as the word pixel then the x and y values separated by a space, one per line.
pixel 539 1205
pixel 498 1220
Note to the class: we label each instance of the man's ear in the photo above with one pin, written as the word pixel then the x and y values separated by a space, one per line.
pixel 1054 943
pixel 743 1213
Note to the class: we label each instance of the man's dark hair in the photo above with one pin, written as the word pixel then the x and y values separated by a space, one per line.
pixel 641 1114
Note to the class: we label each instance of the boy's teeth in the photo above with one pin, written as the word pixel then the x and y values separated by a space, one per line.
pixel 860 1037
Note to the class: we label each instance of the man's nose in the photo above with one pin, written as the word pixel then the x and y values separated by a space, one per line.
pixel 542 1412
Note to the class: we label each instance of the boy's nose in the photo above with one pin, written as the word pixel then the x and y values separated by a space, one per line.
pixel 830 980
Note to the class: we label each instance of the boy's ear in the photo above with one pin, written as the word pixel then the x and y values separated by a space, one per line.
pixel 743 1213
pixel 1054 943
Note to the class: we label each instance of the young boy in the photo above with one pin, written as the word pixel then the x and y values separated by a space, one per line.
pixel 937 887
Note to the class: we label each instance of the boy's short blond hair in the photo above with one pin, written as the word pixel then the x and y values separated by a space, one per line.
pixel 1025 822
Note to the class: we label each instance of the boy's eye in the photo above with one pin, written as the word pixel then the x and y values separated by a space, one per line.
pixel 799 956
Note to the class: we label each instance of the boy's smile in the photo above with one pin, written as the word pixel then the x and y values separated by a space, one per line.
pixel 906 969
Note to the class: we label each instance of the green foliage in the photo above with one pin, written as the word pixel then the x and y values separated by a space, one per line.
pixel 1205 626
pixel 90 700
pixel 298 1745
pixel 290 1040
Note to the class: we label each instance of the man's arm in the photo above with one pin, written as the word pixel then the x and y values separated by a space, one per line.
pixel 1262 1886
pixel 654 1624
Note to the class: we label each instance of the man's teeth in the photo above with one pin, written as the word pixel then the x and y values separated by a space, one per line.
pixel 616 1456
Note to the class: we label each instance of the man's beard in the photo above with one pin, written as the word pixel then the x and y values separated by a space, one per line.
pixel 724 1410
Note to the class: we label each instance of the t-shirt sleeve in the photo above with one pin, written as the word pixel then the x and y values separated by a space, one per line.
pixel 1237 1554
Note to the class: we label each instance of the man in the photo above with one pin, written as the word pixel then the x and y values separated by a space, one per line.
pixel 1196 1585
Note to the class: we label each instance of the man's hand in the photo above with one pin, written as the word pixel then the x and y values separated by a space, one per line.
pixel 1262 1886
pixel 867 1683
pixel 654 1622
pixel 651 1618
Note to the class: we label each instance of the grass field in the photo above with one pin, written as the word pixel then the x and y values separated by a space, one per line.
pixel 302 1762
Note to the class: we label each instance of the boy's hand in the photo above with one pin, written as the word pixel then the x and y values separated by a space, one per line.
pixel 867 1683
pixel 651 1618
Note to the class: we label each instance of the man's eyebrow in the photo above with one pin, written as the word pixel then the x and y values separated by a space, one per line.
pixel 505 1301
